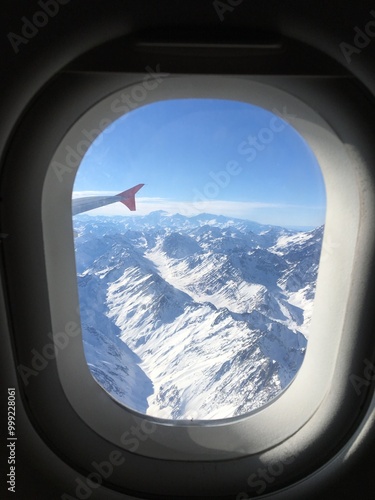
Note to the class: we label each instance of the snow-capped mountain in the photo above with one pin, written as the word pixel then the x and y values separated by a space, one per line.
pixel 194 317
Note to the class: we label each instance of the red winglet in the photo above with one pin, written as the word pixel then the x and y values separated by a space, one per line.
pixel 128 197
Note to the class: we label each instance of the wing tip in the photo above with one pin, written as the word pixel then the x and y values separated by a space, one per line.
pixel 128 197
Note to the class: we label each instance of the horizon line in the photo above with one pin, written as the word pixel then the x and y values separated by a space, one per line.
pixel 294 227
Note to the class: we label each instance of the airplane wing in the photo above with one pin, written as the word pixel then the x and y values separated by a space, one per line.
pixel 127 197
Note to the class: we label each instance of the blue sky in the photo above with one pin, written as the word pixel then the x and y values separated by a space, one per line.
pixel 206 155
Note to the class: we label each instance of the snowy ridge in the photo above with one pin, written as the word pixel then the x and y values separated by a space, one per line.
pixel 201 317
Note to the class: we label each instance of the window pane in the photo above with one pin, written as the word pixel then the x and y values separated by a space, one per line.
pixel 197 304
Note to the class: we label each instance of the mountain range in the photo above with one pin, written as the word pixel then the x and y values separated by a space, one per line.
pixel 203 317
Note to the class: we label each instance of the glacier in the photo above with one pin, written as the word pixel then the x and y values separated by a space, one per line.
pixel 194 318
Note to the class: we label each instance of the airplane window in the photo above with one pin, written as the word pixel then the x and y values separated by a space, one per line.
pixel 198 229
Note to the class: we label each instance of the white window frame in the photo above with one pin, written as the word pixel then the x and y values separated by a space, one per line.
pixel 273 423
pixel 321 400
